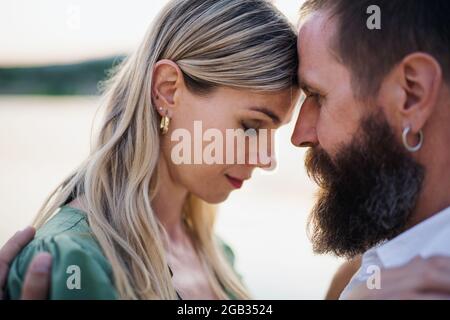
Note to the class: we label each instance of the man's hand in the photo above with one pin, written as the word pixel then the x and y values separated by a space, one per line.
pixel 37 279
pixel 420 279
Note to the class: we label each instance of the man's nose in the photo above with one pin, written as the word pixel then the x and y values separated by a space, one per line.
pixel 305 134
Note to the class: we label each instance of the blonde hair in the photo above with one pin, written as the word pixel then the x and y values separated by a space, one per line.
pixel 244 44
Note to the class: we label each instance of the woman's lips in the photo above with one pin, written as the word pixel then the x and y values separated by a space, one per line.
pixel 235 182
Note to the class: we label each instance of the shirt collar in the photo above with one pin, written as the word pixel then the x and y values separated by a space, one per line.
pixel 412 242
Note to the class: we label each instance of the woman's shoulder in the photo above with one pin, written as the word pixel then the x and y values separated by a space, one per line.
pixel 67 230
pixel 79 268
pixel 67 220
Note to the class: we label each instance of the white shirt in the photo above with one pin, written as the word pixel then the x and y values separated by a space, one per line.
pixel 429 238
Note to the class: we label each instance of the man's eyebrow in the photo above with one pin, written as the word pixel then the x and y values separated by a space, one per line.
pixel 306 85
pixel 269 113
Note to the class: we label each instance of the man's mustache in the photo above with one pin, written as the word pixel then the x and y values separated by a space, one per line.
pixel 320 166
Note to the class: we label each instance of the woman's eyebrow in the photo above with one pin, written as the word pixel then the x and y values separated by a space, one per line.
pixel 275 119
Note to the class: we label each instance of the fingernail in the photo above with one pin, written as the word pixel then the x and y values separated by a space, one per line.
pixel 42 263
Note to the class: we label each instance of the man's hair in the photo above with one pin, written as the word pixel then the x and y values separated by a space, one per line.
pixel 407 26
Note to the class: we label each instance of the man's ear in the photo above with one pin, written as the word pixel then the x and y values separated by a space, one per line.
pixel 167 82
pixel 421 80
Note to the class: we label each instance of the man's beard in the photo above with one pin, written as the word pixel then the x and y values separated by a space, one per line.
pixel 367 191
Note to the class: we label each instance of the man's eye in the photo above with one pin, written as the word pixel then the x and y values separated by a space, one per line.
pixel 317 97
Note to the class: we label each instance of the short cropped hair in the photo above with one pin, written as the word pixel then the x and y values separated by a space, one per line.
pixel 407 26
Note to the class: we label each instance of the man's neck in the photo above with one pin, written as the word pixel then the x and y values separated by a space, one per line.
pixel 435 194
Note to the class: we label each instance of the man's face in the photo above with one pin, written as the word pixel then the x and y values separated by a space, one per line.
pixel 329 115
pixel 369 183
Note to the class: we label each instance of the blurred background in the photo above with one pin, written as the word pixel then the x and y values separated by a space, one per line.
pixel 53 54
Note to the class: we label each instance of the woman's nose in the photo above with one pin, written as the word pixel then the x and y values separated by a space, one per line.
pixel 267 156
pixel 269 165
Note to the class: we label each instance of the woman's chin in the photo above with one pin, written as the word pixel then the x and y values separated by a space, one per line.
pixel 216 198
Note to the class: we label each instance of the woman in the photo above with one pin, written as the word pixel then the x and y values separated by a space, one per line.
pixel 129 222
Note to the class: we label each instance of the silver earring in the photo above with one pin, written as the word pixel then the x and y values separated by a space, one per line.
pixel 405 140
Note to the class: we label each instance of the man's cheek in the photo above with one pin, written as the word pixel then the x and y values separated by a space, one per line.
pixel 337 129
pixel 327 135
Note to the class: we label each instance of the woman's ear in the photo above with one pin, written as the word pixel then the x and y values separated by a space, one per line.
pixel 167 82
pixel 421 79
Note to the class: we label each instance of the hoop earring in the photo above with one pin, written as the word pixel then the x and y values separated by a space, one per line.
pixel 164 125
pixel 405 140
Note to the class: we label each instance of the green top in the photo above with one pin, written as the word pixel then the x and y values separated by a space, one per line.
pixel 68 238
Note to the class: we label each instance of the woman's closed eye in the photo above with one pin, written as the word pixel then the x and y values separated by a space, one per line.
pixel 251 126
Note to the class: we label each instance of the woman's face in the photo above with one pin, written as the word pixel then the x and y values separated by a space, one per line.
pixel 224 110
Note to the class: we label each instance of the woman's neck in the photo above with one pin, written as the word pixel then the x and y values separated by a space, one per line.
pixel 168 204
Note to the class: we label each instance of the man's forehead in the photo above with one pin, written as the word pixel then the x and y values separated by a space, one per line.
pixel 315 35
pixel 317 24
pixel 314 49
